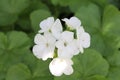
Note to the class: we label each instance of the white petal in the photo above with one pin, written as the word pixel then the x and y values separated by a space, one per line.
pixel 46 24
pixel 73 48
pixel 47 54
pixel 49 38
pixel 68 70
pixel 67 36
pixel 57 66
pixel 41 31
pixel 66 20
pixel 45 47
pixel 50 46
pixel 69 62
pixel 59 44
pixel 73 22
pixel 57 29
pixel 66 45
pixel 39 39
pixel 80 48
pixel 80 30
pixel 64 53
pixel 38 50
pixel 85 40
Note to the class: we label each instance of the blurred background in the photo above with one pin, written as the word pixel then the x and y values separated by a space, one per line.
pixel 19 22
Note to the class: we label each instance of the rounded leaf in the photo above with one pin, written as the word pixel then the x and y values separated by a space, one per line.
pixel 18 72
pixel 90 63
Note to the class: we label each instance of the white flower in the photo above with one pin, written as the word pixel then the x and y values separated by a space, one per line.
pixel 45 45
pixel 51 38
pixel 59 66
pixel 51 26
pixel 73 22
pixel 66 45
pixel 83 39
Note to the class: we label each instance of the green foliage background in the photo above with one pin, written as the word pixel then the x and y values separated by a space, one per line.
pixel 19 22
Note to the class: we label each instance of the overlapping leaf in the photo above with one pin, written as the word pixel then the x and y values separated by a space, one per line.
pixel 90 17
pixel 9 10
pixel 12 46
pixel 111 22
pixel 111 29
pixel 18 72
pixel 114 73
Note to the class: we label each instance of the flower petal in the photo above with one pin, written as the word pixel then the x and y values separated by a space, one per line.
pixel 57 66
pixel 80 48
pixel 57 29
pixel 38 50
pixel 73 48
pixel 49 38
pixel 69 61
pixel 39 39
pixel 68 70
pixel 46 24
pixel 85 40
pixel 59 44
pixel 65 53
pixel 48 53
pixel 67 36
pixel 80 30
pixel 73 22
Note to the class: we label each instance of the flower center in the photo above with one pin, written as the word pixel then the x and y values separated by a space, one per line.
pixel 65 43
pixel 47 44
pixel 49 31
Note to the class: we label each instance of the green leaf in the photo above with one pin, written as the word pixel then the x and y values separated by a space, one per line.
pixel 97 43
pixel 76 4
pixel 114 73
pixel 3 41
pixel 43 78
pixel 97 77
pixel 112 44
pixel 114 60
pixel 2 75
pixel 12 49
pixel 37 4
pixel 24 23
pixel 42 70
pixel 90 17
pixel 37 16
pixel 55 2
pixel 90 63
pixel 14 6
pixel 101 3
pixel 7 18
pixel 30 60
pixel 14 37
pixel 18 72
pixel 60 2
pixel 111 21
pixel 9 10
pixel 69 77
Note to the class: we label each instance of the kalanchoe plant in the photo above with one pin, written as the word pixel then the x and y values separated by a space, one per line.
pixel 61 46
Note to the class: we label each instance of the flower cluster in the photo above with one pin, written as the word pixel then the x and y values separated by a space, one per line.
pixel 60 45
